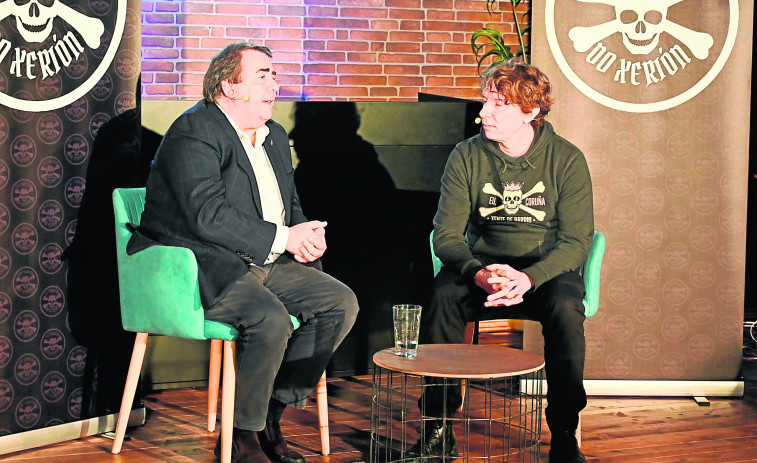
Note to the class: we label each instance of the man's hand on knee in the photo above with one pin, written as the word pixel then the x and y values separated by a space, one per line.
pixel 510 285
pixel 307 240
pixel 489 281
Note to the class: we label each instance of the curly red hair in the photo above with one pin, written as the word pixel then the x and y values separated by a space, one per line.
pixel 522 84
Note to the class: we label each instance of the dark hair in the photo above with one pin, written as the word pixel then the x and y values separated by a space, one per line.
pixel 522 84
pixel 226 65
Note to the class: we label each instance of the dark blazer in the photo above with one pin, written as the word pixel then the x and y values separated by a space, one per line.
pixel 202 195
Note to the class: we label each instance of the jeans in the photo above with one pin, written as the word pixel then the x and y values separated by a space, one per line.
pixel 274 360
pixel 557 305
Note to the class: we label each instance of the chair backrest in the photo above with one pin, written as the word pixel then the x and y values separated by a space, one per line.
pixel 590 270
pixel 158 286
pixel 435 261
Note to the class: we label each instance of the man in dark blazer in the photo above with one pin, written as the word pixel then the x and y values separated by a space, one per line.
pixel 222 185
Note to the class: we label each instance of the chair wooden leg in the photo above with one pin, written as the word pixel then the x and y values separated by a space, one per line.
pixel 132 379
pixel 214 377
pixel 470 335
pixel 323 414
pixel 578 430
pixel 227 400
pixel 470 332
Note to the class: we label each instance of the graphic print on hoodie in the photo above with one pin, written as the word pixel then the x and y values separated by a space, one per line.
pixel 511 200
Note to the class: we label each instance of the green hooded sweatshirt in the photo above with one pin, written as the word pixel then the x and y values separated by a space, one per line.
pixel 536 208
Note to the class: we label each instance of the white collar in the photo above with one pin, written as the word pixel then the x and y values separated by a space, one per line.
pixel 260 133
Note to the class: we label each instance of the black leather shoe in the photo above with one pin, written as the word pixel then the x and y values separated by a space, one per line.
pixel 564 448
pixel 437 443
pixel 245 448
pixel 273 444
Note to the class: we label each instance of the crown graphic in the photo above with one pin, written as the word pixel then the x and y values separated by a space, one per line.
pixel 513 186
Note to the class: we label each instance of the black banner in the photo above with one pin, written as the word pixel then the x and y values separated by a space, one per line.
pixel 69 134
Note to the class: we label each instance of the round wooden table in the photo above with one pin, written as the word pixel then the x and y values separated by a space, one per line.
pixel 500 415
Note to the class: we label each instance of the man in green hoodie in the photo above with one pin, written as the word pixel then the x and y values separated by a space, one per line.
pixel 515 222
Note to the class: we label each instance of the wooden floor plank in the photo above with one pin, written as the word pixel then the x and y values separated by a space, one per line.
pixel 671 450
pixel 615 429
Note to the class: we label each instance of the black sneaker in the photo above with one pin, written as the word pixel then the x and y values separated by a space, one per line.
pixel 564 448
pixel 436 444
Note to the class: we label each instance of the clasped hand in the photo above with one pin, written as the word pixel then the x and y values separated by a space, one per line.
pixel 505 285
pixel 307 241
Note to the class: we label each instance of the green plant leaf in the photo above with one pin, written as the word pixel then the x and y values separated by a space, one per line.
pixel 486 32
pixel 488 42
pixel 496 53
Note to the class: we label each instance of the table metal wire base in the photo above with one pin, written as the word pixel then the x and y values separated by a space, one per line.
pixel 499 421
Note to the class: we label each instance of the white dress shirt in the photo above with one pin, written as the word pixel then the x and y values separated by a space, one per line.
pixel 268 187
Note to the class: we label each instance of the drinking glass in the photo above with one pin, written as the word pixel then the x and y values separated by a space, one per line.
pixel 407 324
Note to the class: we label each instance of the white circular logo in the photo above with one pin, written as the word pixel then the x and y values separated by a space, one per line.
pixel 652 47
pixel 51 51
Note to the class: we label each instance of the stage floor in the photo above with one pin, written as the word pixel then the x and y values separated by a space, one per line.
pixel 615 429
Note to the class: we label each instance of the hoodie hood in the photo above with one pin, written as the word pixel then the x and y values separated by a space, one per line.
pixel 543 135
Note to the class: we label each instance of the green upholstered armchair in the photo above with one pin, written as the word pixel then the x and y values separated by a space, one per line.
pixel 590 271
pixel 159 294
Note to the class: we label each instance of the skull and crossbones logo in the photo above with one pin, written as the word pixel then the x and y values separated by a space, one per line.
pixel 512 198
pixel 34 20
pixel 641 22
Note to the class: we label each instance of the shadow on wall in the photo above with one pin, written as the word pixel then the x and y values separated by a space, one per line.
pixel 120 157
pixel 377 235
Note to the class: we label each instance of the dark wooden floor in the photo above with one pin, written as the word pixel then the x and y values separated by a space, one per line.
pixel 614 429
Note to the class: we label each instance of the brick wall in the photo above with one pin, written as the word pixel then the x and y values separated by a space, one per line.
pixel 360 50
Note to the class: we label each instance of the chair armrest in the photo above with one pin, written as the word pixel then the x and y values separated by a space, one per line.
pixel 159 285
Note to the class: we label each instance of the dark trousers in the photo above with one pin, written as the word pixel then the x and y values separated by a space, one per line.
pixel 557 305
pixel 273 359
